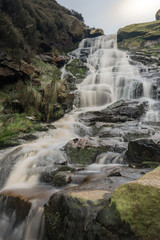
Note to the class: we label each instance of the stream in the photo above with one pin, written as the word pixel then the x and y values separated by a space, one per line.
pixel 112 76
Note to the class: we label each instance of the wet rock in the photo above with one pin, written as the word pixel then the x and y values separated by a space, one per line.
pixel 129 136
pixel 62 178
pixel 71 82
pixel 86 213
pixel 58 176
pixel 14 205
pixel 120 111
pixel 142 150
pixel 28 137
pixel 84 151
pixel 115 174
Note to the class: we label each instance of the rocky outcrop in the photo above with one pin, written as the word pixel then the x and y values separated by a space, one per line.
pixel 142 151
pixel 95 32
pixel 120 111
pixel 12 70
pixel 139 36
pixel 158 15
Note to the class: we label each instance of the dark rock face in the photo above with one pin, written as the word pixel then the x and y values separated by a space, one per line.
pixel 11 204
pixel 120 111
pixel 70 217
pixel 143 150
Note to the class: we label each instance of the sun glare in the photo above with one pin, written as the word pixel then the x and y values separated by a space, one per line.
pixel 134 10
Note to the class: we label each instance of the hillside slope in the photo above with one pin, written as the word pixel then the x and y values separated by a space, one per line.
pixel 35 36
pixel 37 25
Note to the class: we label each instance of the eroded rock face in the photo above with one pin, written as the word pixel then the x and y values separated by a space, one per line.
pixel 12 70
pixel 143 150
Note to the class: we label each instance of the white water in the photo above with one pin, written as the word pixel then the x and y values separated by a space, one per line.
pixel 111 77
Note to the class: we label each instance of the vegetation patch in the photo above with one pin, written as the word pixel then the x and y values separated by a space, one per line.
pixel 11 126
pixel 77 68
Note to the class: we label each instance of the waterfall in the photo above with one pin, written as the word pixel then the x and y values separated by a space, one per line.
pixel 112 76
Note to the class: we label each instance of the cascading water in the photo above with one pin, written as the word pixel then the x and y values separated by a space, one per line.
pixel 111 76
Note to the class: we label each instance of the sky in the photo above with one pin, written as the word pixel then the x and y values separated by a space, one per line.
pixel 110 15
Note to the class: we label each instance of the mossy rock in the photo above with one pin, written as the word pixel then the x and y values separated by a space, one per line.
pixel 137 36
pixel 79 214
pixel 138 203
pixel 83 155
pixel 77 68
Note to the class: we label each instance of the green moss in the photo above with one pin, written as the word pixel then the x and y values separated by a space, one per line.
pixel 12 125
pixel 85 155
pixel 77 68
pixel 139 206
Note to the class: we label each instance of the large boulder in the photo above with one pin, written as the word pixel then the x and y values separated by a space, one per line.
pixel 143 150
pixel 138 205
pixel 84 151
pixel 121 111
